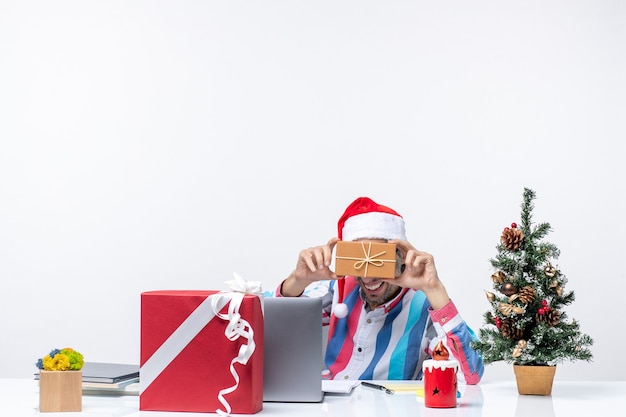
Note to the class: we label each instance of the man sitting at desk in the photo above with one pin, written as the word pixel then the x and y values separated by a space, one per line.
pixel 382 328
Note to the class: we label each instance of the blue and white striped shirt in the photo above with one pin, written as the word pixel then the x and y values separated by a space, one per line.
pixel 392 341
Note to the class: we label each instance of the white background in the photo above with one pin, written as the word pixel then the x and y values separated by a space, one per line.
pixel 152 145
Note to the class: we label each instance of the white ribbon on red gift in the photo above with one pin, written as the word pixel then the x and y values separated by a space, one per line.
pixel 196 321
pixel 237 327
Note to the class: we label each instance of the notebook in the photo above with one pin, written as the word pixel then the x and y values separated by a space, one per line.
pixel 292 371
pixel 109 372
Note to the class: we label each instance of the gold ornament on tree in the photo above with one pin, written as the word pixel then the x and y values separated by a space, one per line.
pixel 507 309
pixel 512 237
pixel 558 289
pixel 498 277
pixel 517 351
pixel 508 289
pixel 549 270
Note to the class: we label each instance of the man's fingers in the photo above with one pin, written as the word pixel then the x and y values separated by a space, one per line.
pixel 417 260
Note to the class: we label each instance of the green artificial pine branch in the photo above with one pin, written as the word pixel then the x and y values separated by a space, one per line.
pixel 527 324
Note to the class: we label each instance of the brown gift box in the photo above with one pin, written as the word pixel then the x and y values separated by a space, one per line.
pixel 365 259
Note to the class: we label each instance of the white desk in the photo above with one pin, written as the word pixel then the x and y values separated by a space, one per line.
pixel 19 397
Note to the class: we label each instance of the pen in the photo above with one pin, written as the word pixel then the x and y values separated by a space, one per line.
pixel 378 387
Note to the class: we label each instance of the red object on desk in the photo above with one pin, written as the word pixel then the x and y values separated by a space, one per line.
pixel 186 357
pixel 440 383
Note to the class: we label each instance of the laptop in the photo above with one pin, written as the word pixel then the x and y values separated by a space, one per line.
pixel 292 371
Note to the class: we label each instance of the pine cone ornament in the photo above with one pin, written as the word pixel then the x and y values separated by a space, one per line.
pixel 509 330
pixel 550 317
pixel 526 295
pixel 512 238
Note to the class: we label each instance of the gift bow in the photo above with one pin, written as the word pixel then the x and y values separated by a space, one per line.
pixel 368 259
pixel 237 327
pixel 240 284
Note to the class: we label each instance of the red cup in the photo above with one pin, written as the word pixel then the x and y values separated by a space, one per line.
pixel 440 384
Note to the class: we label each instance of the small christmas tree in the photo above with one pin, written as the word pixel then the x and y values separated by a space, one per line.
pixel 527 324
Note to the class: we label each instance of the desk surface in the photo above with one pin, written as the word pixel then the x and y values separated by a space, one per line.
pixel 19 397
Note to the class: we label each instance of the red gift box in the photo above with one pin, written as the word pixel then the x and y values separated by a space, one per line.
pixel 188 363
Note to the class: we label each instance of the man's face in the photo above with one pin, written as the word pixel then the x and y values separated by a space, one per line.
pixel 376 291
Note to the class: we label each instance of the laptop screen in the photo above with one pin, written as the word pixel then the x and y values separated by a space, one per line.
pixel 292 371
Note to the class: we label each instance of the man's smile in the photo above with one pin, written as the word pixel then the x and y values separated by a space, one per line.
pixel 373 286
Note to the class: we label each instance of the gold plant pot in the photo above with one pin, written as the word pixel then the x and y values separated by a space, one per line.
pixel 534 380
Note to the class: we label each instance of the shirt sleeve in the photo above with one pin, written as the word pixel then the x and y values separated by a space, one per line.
pixel 319 289
pixel 454 330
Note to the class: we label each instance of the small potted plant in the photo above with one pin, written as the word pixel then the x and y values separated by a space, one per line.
pixel 60 381
pixel 527 324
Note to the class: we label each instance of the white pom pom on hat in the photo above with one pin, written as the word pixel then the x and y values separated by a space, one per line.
pixel 366 219
pixel 340 310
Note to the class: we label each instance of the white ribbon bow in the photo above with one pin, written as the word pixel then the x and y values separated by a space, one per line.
pixel 239 284
pixel 237 327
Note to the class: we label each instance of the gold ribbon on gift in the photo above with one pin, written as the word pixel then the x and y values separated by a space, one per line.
pixel 368 259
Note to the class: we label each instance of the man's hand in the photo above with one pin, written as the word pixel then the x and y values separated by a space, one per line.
pixel 313 265
pixel 420 273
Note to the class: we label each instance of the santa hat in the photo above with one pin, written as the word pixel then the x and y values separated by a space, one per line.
pixel 366 219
